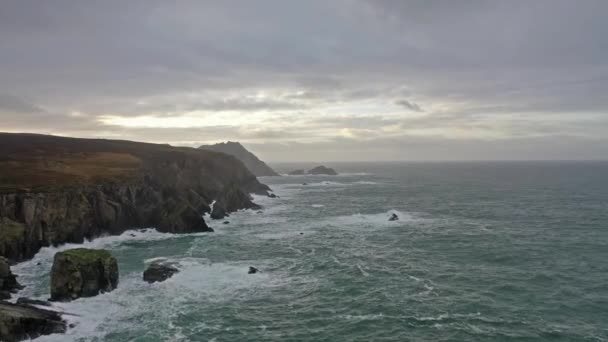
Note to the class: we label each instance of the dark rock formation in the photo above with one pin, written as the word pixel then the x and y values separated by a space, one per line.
pixel 319 170
pixel 253 164
pixel 322 170
pixel 8 281
pixel 232 199
pixel 28 301
pixel 226 222
pixel 271 195
pixel 297 173
pixel 394 217
pixel 55 190
pixel 159 271
pixel 82 272
pixel 22 322
pixel 252 270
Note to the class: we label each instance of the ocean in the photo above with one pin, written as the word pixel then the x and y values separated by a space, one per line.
pixel 482 251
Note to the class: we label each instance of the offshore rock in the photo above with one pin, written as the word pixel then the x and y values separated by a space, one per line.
pixel 252 270
pixel 322 170
pixel 23 322
pixel 82 272
pixel 394 217
pixel 159 271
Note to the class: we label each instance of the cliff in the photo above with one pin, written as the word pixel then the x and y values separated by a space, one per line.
pixel 253 163
pixel 55 190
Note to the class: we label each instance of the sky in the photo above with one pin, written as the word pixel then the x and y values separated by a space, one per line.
pixel 317 80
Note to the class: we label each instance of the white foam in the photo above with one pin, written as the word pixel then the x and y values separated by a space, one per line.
pixel 317 205
pixel 379 220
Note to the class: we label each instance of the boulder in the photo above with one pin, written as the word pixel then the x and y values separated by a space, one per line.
pixel 271 195
pixel 322 170
pixel 394 217
pixel 297 173
pixel 159 271
pixel 23 322
pixel 8 281
pixel 252 270
pixel 82 272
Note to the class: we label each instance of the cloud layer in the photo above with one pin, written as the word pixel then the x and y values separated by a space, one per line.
pixel 314 80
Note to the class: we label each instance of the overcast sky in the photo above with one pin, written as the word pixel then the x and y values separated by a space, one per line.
pixel 314 80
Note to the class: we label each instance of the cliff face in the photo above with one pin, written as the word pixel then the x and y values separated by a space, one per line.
pixel 55 190
pixel 253 163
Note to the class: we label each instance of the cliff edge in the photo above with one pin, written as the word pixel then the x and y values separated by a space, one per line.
pixel 55 190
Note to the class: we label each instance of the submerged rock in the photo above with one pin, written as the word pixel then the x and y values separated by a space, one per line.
pixel 8 281
pixel 159 271
pixel 82 272
pixel 394 217
pixel 23 322
pixel 252 270
pixel 226 222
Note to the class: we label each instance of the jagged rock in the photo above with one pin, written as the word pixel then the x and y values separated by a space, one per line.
pixel 77 189
pixel 394 217
pixel 297 173
pixel 271 195
pixel 8 281
pixel 252 270
pixel 322 170
pixel 23 322
pixel 28 301
pixel 159 271
pixel 219 211
pixel 82 272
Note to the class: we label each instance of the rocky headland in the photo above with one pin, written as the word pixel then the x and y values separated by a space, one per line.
pixel 55 190
pixel 251 161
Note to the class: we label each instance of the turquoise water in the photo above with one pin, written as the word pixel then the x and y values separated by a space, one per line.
pixel 482 252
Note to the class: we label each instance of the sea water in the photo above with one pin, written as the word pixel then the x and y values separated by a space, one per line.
pixel 505 251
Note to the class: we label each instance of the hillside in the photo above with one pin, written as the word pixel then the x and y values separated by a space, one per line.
pixel 253 163
pixel 55 190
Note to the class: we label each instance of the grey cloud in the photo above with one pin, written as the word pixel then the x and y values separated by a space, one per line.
pixel 526 69
pixel 409 105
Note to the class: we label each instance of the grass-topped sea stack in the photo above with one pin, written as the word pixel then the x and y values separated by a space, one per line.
pixel 82 272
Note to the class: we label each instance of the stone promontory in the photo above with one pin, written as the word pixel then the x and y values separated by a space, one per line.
pixel 82 272
pixel 56 190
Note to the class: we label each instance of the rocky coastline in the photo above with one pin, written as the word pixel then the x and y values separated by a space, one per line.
pixel 56 190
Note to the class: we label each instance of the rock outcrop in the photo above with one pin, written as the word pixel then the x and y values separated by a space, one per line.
pixel 82 272
pixel 322 170
pixel 253 163
pixel 8 281
pixel 394 217
pixel 159 271
pixel 22 322
pixel 319 170
pixel 55 190
pixel 232 199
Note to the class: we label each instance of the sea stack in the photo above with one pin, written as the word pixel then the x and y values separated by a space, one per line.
pixel 82 272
